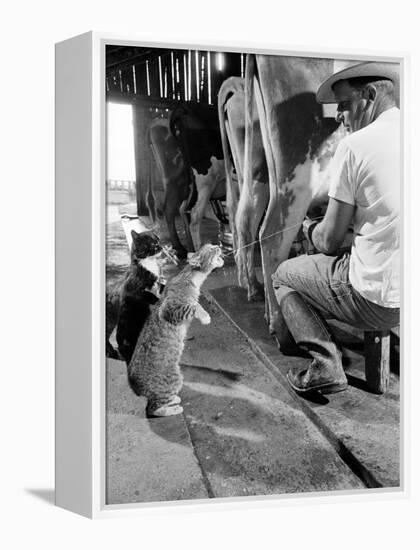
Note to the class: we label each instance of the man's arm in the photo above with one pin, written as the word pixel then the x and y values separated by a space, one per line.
pixel 329 234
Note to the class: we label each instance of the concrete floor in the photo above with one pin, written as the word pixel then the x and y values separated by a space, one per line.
pixel 243 431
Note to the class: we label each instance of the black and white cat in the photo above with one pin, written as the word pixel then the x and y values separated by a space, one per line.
pixel 128 301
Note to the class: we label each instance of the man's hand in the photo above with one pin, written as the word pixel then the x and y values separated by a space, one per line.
pixel 308 226
pixel 328 235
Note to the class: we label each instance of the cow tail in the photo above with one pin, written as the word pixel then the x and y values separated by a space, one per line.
pixel 249 126
pixel 232 191
pixel 249 138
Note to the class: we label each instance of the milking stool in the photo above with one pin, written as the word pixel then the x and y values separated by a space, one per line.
pixel 377 347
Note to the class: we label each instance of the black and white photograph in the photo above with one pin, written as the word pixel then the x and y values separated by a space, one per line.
pixel 253 273
pixel 209 267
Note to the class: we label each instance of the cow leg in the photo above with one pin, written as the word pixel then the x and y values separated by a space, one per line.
pixel 275 246
pixel 250 212
pixel 197 213
pixel 150 196
pixel 171 209
pixel 287 205
pixel 248 217
pixel 232 186
pixel 230 107
pixel 186 219
pixel 259 204
pixel 232 207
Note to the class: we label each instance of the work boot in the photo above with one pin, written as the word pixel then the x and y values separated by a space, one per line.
pixel 311 332
pixel 317 377
pixel 286 343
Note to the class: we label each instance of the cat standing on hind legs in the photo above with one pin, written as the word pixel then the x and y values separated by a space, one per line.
pixel 154 370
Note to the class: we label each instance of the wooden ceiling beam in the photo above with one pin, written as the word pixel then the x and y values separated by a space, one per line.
pixel 131 56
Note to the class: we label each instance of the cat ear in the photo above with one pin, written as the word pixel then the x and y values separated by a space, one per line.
pixel 134 234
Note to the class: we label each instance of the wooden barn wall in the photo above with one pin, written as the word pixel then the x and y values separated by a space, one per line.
pixel 156 84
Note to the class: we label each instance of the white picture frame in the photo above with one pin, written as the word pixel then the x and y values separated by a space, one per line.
pixel 80 268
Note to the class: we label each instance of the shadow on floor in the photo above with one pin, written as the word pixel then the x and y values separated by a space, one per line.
pixel 47 495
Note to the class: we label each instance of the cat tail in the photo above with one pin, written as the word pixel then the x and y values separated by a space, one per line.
pixel 175 313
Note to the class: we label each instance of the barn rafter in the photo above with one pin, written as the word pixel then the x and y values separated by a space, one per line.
pixel 168 74
pixel 154 80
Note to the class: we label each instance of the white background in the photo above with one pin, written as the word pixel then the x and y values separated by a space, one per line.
pixel 28 33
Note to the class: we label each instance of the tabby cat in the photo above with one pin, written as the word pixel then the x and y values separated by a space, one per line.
pixel 129 301
pixel 154 370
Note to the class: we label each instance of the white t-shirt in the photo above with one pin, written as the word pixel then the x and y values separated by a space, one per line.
pixel 365 172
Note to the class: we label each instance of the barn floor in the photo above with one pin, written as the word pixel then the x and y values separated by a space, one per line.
pixel 243 432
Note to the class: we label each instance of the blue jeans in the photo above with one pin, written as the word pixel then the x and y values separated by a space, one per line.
pixel 323 282
pixel 322 289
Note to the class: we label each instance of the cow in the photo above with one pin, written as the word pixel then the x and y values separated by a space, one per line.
pixel 245 215
pixel 298 144
pixel 196 127
pixel 176 180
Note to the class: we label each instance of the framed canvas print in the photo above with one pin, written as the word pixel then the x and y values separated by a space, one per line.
pixel 228 259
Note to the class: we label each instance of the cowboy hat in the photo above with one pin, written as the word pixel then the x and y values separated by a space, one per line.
pixel 389 71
